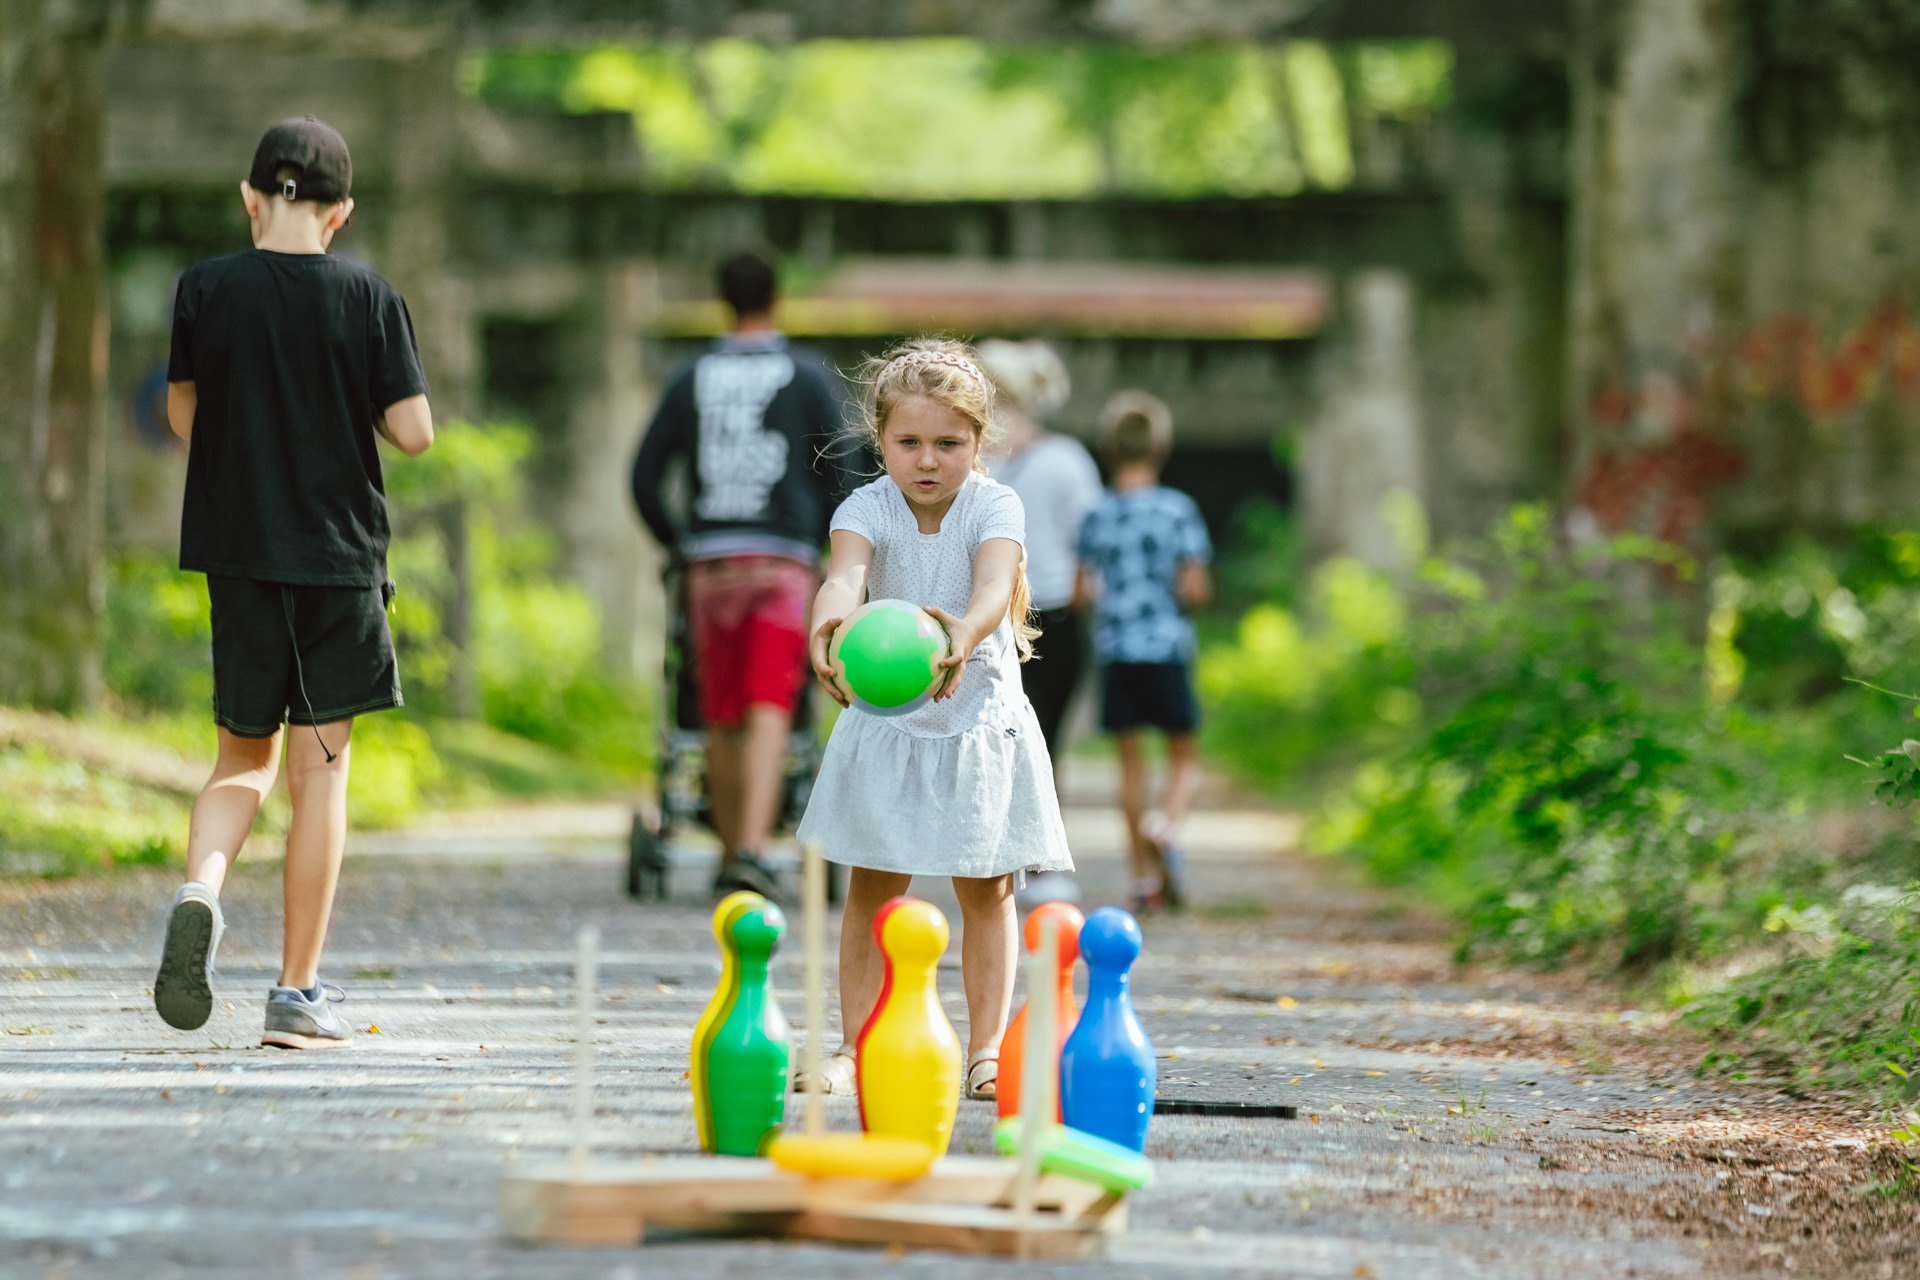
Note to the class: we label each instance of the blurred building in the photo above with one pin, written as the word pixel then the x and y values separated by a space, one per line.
pixel 1374 334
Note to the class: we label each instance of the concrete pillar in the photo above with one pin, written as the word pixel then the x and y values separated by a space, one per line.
pixel 424 147
pixel 1651 229
pixel 1363 453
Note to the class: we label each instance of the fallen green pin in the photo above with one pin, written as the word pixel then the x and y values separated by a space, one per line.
pixel 1074 1154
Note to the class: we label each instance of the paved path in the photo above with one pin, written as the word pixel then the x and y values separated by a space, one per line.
pixel 130 1149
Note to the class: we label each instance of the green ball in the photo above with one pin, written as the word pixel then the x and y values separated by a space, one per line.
pixel 886 650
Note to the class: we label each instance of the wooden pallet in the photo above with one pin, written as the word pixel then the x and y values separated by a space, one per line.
pixel 964 1204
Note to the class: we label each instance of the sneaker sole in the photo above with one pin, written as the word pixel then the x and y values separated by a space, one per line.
pixel 181 993
pixel 294 1040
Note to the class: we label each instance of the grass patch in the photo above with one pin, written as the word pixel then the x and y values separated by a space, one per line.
pixel 484 762
pixel 82 794
pixel 1234 909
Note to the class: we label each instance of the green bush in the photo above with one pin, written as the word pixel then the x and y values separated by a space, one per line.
pixel 158 638
pixel 58 816
pixel 1288 696
pixel 1539 740
pixel 1838 1003
pixel 537 642
pixel 394 769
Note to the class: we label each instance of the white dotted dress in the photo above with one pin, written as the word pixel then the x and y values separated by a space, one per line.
pixel 961 787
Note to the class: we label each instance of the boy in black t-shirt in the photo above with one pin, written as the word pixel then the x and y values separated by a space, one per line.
pixel 286 362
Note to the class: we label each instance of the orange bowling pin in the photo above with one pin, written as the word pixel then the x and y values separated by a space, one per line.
pixel 907 1059
pixel 1066 937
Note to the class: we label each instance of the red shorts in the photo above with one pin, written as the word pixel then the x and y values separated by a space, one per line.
pixel 749 623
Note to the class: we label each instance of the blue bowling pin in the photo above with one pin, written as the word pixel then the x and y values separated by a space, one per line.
pixel 1106 1068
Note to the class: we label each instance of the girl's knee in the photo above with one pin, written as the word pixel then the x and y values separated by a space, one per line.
pixel 867 888
pixel 988 892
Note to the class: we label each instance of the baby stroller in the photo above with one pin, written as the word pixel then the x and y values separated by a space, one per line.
pixel 682 797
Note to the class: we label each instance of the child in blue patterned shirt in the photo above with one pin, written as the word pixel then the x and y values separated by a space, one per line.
pixel 1143 562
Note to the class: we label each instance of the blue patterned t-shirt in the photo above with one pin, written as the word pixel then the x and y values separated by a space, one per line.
pixel 1135 542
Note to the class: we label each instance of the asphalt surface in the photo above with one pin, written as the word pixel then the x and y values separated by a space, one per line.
pixel 127 1148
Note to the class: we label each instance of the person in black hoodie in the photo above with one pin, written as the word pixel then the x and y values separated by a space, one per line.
pixel 759 423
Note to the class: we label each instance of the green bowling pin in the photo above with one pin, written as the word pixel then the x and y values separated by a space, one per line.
pixel 747 1052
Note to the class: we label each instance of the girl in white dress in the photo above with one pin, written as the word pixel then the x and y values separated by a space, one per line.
pixel 961 787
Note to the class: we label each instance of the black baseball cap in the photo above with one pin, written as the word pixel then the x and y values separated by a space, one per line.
pixel 313 147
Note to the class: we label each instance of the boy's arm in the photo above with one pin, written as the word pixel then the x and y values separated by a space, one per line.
pixel 1085 588
pixel 670 434
pixel 845 587
pixel 1194 584
pixel 183 399
pixel 408 425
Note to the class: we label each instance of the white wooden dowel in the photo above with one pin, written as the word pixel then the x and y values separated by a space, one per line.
pixel 585 977
pixel 813 888
pixel 1037 1061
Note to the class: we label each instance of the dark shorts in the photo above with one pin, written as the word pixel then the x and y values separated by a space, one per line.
pixel 298 655
pixel 1147 695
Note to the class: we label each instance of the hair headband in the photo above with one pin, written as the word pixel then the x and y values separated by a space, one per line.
pixel 919 359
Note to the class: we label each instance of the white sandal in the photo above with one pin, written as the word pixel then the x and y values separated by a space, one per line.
pixel 837 1074
pixel 984 1086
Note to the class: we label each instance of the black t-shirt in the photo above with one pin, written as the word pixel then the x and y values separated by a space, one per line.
pixel 293 357
pixel 760 421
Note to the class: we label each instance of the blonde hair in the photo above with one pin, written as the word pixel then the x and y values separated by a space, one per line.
pixel 1136 426
pixel 949 373
pixel 1029 374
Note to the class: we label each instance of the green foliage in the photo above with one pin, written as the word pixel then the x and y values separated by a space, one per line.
pixel 1801 67
pixel 536 641
pixel 157 653
pixel 1576 776
pixel 1285 695
pixel 1839 1003
pixel 538 660
pixel 950 118
pixel 58 815
pixel 394 768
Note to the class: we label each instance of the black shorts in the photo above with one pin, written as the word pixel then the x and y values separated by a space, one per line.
pixel 286 654
pixel 1147 695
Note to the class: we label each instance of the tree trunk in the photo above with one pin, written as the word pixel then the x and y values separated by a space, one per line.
pixel 53 349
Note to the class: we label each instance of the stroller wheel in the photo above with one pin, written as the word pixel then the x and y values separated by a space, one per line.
pixel 646 862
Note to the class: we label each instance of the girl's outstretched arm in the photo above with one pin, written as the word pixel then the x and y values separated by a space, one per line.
pixel 995 567
pixel 848 559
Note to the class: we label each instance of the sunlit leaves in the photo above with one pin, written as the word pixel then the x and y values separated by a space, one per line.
pixel 949 118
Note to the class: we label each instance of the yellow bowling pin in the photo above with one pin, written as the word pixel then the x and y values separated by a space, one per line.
pixel 908 1057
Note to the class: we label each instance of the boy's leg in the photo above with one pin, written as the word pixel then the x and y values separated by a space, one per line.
pixel 763 768
pixel 223 813
pixel 1133 806
pixel 862 967
pixel 1183 777
pixel 316 837
pixel 987 956
pixel 723 789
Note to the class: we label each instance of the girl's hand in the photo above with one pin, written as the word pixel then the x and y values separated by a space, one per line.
pixel 962 641
pixel 826 671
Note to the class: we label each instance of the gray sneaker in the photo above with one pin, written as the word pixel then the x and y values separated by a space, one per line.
pixel 183 989
pixel 295 1022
